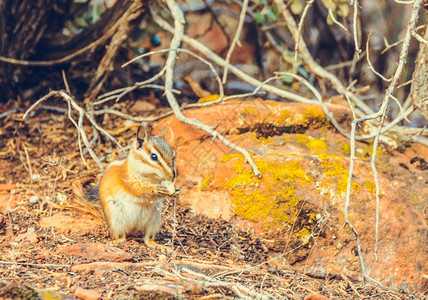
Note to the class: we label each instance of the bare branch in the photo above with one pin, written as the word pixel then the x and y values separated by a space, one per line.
pixel 330 13
pixel 175 42
pixel 382 115
pixel 354 27
pixel 221 62
pixel 236 38
pixel 299 32
pixel 370 63
pixel 313 65
pixel 220 85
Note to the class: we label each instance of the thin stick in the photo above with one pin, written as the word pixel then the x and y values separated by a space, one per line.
pixel 113 94
pixel 132 118
pixel 220 85
pixel 79 125
pixel 33 265
pixel 390 46
pixel 235 39
pixel 354 26
pixel 314 66
pixel 218 60
pixel 175 42
pixel 385 103
pixel 30 170
pixel 348 194
pixel 419 38
pixel 330 12
pixel 327 112
pixel 370 63
pixel 79 138
pixel 299 31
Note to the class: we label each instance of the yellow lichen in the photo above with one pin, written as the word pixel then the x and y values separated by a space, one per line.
pixel 250 111
pixel 314 115
pixel 335 175
pixel 317 145
pixel 345 148
pixel 206 182
pixel 229 156
pixel 209 98
pixel 370 186
pixel 366 152
pixel 271 198
pixel 302 138
pixel 283 117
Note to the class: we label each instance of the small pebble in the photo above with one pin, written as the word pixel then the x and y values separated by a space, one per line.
pixel 34 199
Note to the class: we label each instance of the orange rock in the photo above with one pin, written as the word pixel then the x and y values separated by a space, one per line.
pixel 305 170
pixel 96 251
pixel 142 106
pixel 105 265
pixel 85 294
pixel 30 237
pixel 316 297
pixel 7 186
pixel 167 286
pixel 66 221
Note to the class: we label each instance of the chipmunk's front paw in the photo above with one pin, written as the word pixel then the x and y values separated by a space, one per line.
pixel 167 187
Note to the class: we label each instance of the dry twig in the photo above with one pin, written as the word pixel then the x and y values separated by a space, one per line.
pixel 235 39
pixel 382 115
pixel 221 62
pixel 313 65
pixel 169 65
pixel 79 125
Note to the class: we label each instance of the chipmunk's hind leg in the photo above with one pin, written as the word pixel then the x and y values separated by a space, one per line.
pixel 152 244
pixel 153 227
pixel 118 240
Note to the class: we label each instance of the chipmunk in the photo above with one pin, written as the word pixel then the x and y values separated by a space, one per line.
pixel 132 189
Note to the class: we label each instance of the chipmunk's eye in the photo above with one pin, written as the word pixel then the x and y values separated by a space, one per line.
pixel 154 156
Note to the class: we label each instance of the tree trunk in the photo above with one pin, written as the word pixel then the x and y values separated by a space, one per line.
pixel 22 25
pixel 419 89
pixel 31 32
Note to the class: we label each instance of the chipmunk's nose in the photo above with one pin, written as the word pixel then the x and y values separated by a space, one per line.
pixel 177 191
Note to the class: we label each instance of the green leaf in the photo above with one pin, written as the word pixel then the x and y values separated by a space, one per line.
pixel 259 17
pixel 287 79
pixel 271 15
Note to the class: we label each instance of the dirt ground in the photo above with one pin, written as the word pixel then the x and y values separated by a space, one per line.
pixel 48 243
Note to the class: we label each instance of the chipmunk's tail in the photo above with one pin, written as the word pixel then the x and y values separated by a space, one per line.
pixel 88 200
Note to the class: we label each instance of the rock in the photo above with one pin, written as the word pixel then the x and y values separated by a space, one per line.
pixel 301 197
pixel 316 297
pixel 142 106
pixel 127 266
pixel 30 236
pixel 85 294
pixel 65 221
pixel 167 287
pixel 17 290
pixel 7 186
pixel 33 199
pixel 96 251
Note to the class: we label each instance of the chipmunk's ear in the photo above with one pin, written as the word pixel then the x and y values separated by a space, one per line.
pixel 142 136
pixel 162 133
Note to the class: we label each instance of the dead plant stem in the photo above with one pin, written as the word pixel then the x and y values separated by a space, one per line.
pixel 235 39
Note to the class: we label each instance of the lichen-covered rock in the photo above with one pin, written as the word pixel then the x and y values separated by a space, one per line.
pixel 297 206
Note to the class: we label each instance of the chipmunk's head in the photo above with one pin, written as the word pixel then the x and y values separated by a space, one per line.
pixel 153 156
